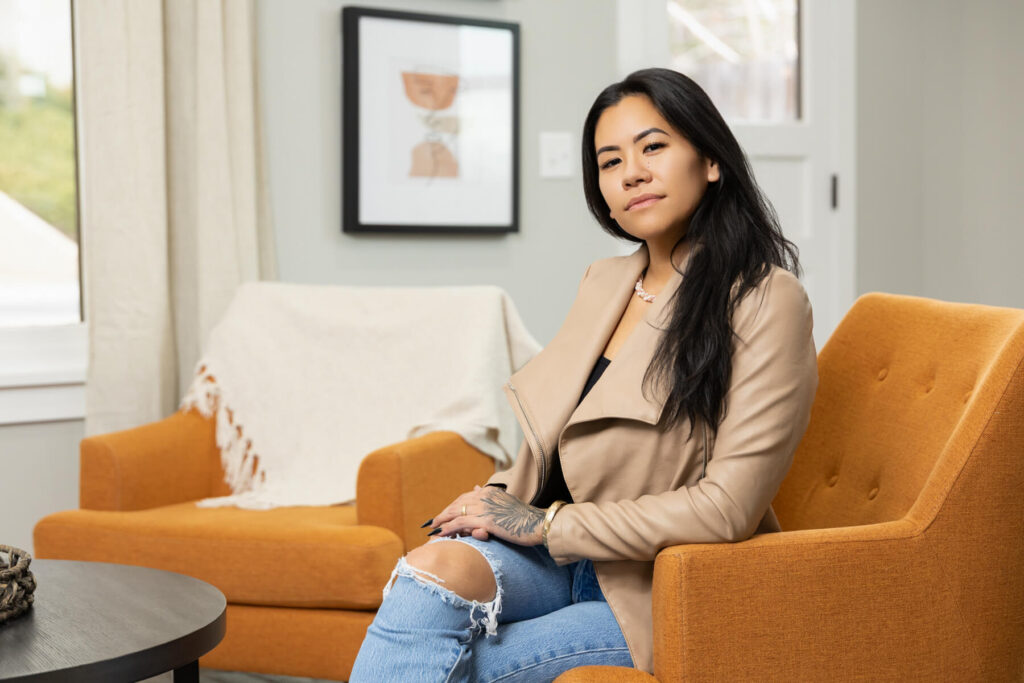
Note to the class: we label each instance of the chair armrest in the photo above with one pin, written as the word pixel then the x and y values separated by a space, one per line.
pixel 161 463
pixel 401 486
pixel 864 602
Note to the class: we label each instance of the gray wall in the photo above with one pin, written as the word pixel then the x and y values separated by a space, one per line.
pixel 940 147
pixel 38 475
pixel 567 56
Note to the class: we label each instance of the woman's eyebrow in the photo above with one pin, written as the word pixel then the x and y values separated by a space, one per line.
pixel 609 148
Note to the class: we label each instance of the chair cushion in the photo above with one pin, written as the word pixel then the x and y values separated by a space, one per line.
pixel 302 556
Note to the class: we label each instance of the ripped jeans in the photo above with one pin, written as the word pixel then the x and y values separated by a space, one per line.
pixel 543 620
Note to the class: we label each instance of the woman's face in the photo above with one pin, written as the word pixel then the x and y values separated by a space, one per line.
pixel 639 153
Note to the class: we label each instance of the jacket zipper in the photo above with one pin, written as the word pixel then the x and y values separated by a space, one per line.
pixel 542 462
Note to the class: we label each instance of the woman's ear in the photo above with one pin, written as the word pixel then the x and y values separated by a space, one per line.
pixel 713 171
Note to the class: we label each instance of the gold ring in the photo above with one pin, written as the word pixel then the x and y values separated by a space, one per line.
pixel 463 509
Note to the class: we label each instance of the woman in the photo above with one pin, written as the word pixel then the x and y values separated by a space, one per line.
pixel 702 338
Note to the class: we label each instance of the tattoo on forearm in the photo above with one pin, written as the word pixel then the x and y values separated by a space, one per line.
pixel 512 514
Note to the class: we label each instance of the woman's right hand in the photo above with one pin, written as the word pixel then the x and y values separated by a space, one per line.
pixel 491 511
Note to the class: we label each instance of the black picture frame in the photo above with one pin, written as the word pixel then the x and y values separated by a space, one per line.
pixel 426 187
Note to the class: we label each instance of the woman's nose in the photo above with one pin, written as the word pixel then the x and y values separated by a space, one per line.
pixel 634 172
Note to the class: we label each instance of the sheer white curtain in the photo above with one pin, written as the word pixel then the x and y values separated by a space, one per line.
pixel 174 207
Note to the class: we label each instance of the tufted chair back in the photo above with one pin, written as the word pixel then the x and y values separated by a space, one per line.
pixel 919 418
pixel 910 393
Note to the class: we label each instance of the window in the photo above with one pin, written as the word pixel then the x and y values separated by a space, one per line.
pixel 39 278
pixel 742 52
pixel 42 338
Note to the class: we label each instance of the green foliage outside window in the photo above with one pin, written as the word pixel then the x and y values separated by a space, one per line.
pixel 37 163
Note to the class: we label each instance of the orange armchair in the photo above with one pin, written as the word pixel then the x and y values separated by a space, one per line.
pixel 302 583
pixel 902 555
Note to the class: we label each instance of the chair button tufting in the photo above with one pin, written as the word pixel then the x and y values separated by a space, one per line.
pixel 882 373
pixel 833 479
pixel 872 493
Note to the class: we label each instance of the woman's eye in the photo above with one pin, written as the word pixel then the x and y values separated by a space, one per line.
pixel 653 145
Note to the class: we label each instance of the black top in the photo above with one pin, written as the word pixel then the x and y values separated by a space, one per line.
pixel 556 488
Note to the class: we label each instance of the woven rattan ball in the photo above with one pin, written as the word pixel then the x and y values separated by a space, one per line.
pixel 17 584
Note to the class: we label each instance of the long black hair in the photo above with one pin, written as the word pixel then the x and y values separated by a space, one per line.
pixel 739 237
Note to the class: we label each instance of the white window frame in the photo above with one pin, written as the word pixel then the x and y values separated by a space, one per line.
pixel 43 367
pixel 43 373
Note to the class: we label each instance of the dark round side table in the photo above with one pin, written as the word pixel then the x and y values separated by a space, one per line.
pixel 96 621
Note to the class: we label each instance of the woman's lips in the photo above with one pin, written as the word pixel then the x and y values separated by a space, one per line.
pixel 646 202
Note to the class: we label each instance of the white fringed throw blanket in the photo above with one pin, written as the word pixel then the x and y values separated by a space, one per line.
pixel 313 378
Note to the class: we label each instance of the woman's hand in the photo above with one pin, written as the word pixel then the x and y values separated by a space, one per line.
pixel 491 511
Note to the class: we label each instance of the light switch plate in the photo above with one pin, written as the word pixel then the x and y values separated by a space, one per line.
pixel 556 157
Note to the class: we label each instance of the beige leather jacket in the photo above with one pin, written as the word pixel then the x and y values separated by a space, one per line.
pixel 637 490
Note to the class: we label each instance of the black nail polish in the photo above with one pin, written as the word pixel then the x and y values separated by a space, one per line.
pixel 427 523
pixel 435 531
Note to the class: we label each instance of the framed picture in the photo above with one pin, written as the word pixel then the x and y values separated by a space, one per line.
pixel 430 139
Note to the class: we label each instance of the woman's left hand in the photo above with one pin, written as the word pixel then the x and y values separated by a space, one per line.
pixel 491 511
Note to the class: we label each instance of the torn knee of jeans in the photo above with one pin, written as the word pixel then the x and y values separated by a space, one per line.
pixel 491 608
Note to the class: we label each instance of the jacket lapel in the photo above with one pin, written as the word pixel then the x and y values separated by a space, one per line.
pixel 544 392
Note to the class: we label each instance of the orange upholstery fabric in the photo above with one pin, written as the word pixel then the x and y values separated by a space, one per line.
pixel 289 556
pixel 302 583
pixel 605 674
pixel 403 485
pixel 314 643
pixel 908 380
pixel 901 555
pixel 165 462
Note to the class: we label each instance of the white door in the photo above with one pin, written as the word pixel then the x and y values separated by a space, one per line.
pixel 804 163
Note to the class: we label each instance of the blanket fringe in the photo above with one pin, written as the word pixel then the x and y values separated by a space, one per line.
pixel 241 471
